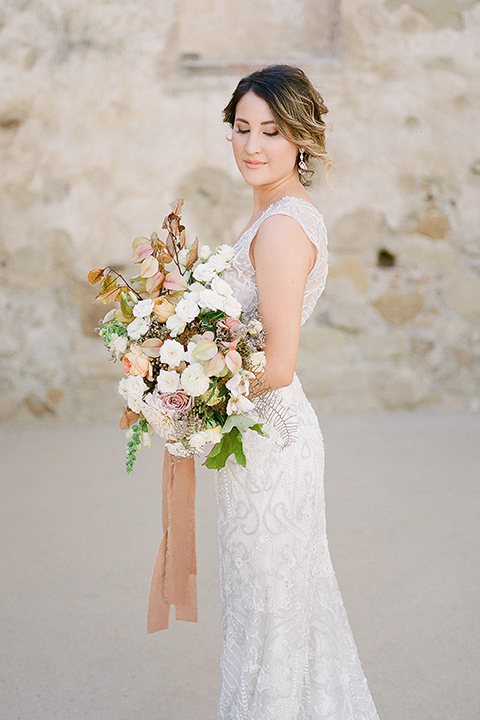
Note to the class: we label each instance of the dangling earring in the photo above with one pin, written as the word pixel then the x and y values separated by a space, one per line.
pixel 302 165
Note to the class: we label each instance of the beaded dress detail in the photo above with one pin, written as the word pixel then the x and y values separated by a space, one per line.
pixel 288 652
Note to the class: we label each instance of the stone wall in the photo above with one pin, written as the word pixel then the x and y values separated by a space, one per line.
pixel 109 111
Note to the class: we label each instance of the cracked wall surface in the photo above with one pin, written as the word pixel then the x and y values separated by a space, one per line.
pixel 105 117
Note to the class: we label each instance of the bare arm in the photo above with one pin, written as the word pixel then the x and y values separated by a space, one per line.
pixel 282 256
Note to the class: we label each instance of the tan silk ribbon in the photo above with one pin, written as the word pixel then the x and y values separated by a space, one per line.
pixel 174 580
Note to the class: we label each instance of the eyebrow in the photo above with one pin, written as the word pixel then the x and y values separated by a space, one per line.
pixel 266 122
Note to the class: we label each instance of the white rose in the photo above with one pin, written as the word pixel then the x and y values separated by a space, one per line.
pixel 195 288
pixel 221 287
pixel 194 380
pixel 232 307
pixel 131 389
pixel 239 404
pixel 143 308
pixel 177 449
pixel 187 309
pixel 204 253
pixel 138 327
pixel 172 353
pixel 119 345
pixel 204 272
pixel 227 252
pixel 175 324
pixel 214 435
pixel 198 440
pixel 212 300
pixel 168 381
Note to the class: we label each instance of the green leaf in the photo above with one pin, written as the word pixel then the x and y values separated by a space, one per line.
pixel 230 444
pixel 242 422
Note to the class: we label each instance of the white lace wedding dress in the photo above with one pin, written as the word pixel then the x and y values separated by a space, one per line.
pixel 288 651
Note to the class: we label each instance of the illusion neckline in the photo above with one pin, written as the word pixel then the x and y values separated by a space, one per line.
pixel 276 202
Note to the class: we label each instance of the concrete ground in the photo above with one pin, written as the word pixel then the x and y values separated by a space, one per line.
pixel 79 538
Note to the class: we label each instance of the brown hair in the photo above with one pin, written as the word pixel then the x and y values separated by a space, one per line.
pixel 296 106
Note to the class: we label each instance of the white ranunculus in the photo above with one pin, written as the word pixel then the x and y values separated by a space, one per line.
pixel 239 404
pixel 176 324
pixel 172 353
pixel 232 307
pixel 221 287
pixel 131 388
pixel 138 327
pixel 194 381
pixel 204 253
pixel 143 308
pixel 187 309
pixel 168 381
pixel 211 299
pixel 205 271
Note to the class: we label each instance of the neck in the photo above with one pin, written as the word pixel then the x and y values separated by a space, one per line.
pixel 265 195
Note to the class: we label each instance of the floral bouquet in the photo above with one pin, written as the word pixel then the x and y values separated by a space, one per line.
pixel 188 353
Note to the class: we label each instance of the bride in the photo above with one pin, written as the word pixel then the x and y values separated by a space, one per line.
pixel 288 651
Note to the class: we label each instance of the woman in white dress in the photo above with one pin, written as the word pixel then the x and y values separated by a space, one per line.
pixel 288 651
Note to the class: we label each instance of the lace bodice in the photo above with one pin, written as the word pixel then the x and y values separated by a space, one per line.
pixel 242 274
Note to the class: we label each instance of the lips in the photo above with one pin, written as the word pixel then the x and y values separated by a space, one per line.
pixel 252 164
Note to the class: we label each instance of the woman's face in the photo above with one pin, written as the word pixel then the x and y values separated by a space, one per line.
pixel 262 154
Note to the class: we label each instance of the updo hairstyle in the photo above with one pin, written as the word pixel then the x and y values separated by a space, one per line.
pixel 296 106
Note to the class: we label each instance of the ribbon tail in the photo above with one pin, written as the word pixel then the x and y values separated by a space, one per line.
pixel 174 573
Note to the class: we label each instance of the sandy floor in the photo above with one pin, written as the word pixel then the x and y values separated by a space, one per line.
pixel 79 538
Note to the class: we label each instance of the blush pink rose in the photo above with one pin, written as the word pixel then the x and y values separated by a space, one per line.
pixel 178 402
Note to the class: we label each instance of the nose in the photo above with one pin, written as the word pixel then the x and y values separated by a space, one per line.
pixel 253 144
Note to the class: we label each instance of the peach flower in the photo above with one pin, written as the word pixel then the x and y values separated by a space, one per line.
pixel 136 362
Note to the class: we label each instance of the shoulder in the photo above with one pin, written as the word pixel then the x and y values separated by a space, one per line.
pixel 278 235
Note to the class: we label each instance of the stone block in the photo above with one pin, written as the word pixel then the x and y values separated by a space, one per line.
pixel 461 293
pixel 400 307
pixel 353 268
pixel 357 231
pixel 434 226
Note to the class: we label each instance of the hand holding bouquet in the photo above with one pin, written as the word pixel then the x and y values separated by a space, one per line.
pixel 188 353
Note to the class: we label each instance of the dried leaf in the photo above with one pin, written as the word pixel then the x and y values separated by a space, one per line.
pixel 192 256
pixel 176 206
pixel 109 282
pixel 95 276
pixel 109 295
pixel 127 311
pixel 182 237
pixel 149 267
pixel 139 241
pixel 118 315
pixel 170 244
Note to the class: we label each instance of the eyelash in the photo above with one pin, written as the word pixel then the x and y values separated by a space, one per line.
pixel 242 132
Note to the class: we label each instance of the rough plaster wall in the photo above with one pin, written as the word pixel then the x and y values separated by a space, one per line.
pixel 100 129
